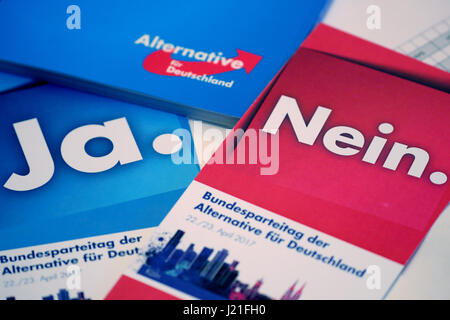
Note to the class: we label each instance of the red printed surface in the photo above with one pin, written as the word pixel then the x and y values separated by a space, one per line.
pixel 161 62
pixel 385 211
pixel 341 44
pixel 129 289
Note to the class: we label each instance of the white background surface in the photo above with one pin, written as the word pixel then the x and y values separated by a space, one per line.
pixel 401 20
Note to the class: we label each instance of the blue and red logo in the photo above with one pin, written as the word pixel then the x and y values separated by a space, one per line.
pixel 208 63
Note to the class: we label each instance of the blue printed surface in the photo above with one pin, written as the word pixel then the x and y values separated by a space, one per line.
pixel 104 50
pixel 75 204
pixel 10 81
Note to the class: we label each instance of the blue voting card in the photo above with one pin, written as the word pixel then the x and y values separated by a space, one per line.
pixel 76 165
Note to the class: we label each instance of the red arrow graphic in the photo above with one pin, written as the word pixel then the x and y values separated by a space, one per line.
pixel 159 62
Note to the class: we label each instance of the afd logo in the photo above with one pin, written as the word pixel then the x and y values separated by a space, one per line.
pixel 206 64
pixel 40 161
pixel 348 141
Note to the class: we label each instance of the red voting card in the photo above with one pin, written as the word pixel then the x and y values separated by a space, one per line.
pixel 349 172
pixel 386 211
pixel 329 40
